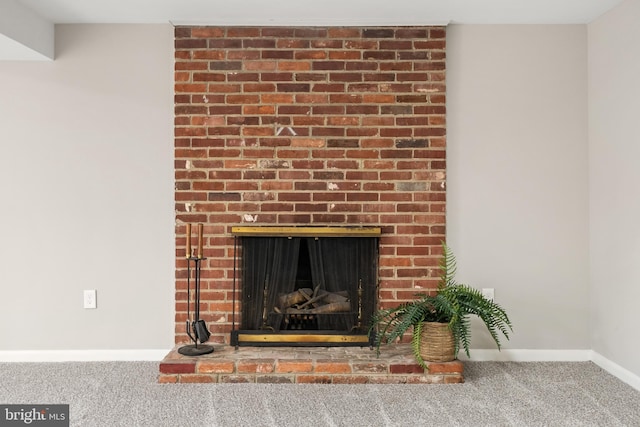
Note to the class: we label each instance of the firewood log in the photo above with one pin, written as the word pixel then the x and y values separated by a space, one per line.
pixel 313 300
pixel 336 307
pixel 292 298
pixel 331 297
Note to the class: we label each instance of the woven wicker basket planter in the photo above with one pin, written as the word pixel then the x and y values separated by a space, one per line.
pixel 436 342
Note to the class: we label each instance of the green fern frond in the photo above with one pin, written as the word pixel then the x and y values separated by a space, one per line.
pixel 464 335
pixel 415 345
pixel 448 267
pixel 491 313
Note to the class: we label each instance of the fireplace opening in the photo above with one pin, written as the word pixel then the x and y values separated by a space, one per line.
pixel 305 286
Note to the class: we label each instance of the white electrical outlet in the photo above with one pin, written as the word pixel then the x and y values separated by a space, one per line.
pixel 90 298
pixel 488 293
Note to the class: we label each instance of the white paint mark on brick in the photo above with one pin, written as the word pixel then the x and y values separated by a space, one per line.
pixel 332 206
pixel 279 130
pixel 188 165
pixel 250 218
pixel 205 99
pixel 332 186
pixel 188 207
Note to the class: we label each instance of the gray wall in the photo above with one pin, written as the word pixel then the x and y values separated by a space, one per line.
pixel 517 208
pixel 614 176
pixel 86 178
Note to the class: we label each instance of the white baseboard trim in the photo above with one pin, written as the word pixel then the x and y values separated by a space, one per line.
pixel 480 355
pixel 616 370
pixel 83 355
pixel 477 355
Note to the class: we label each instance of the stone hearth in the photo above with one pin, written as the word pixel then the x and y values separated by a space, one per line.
pixel 315 365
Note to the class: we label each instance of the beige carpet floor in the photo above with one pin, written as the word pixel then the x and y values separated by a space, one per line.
pixel 494 394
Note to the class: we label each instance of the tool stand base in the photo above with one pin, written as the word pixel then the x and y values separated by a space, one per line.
pixel 195 350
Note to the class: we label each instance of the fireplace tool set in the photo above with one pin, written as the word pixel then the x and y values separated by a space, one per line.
pixel 196 329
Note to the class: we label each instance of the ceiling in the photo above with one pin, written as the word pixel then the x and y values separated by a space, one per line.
pixel 27 26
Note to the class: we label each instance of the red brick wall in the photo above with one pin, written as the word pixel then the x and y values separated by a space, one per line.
pixel 309 126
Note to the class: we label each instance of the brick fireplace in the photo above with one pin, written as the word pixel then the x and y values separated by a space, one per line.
pixel 309 127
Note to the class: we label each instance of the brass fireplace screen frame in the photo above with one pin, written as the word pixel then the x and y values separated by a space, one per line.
pixel 298 338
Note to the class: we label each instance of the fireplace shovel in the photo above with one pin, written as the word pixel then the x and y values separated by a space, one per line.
pixel 200 331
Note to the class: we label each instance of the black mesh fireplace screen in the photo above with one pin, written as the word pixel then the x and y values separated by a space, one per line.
pixel 308 284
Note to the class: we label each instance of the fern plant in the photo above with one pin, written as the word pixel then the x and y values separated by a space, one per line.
pixel 453 303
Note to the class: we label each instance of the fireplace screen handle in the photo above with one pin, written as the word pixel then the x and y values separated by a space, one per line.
pixel 265 300
pixel 358 324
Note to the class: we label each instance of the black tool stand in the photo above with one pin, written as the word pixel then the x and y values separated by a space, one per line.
pixel 197 330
